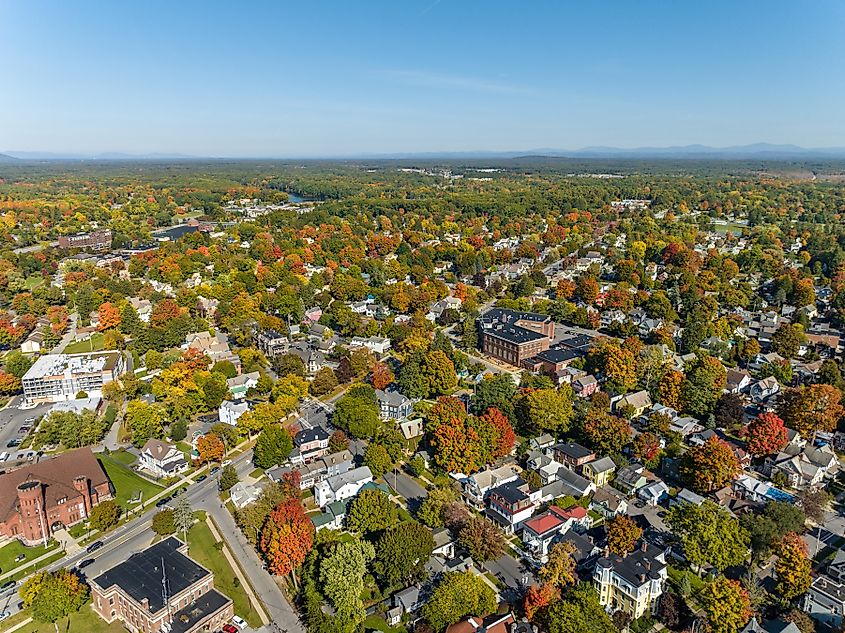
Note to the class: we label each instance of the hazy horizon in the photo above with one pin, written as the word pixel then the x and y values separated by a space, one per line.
pixel 343 80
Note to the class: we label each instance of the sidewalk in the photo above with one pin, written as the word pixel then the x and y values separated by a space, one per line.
pixel 238 572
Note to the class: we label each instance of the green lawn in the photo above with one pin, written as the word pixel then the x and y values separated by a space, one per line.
pixel 124 457
pixel 201 548
pixel 9 552
pixel 39 565
pixel 376 623
pixel 84 620
pixel 126 482
pixel 94 344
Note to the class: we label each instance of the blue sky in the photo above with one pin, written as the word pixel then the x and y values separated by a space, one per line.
pixel 313 78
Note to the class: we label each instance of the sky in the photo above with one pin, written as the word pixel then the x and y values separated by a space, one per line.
pixel 316 78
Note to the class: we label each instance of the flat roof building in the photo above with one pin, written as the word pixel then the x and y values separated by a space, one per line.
pixel 161 589
pixel 512 336
pixel 57 377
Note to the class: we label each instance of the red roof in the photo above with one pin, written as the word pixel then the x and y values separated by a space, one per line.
pixel 575 512
pixel 543 523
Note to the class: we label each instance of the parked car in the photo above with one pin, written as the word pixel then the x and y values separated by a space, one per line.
pixel 7 585
pixel 228 628
pixel 163 501
pixel 239 622
pixel 202 478
pixel 94 546
pixel 5 615
pixel 13 443
pixel 214 470
pixel 86 562
pixel 20 558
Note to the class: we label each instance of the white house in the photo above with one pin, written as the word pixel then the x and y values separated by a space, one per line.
pixel 162 459
pixel 230 411
pixel 376 344
pixel 343 486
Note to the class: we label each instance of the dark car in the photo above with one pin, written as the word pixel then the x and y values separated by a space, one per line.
pixel 13 443
pixel 202 478
pixel 214 470
pixel 94 546
pixel 163 502
pixel 86 562
pixel 7 585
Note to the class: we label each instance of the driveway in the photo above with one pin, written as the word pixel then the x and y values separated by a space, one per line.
pixel 406 487
pixel 516 576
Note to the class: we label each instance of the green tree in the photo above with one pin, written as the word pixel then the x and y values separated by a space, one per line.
pixel 324 382
pixel 546 409
pixel 709 535
pixel 430 511
pixel 228 477
pixel 272 447
pixel 703 384
pixel 496 391
pixel 342 572
pixel 357 415
pixel 104 515
pixel 371 511
pixel 163 524
pixel 456 596
pixel 58 594
pixel 183 515
pixel 402 552
pixel 578 612
pixel 378 459
pixel 145 421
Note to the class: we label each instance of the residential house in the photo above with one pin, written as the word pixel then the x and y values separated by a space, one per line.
pixel 685 495
pixel 162 459
pixel 637 402
pixel 772 626
pixel 654 493
pixel 585 386
pixel 505 623
pixel 804 467
pixel 309 444
pixel 376 344
pixel 539 532
pixel 630 478
pixel 240 385
pixel 568 483
pixel 573 455
pixel 633 583
pixel 599 471
pixel 230 411
pixel 737 380
pixel 332 516
pixel 393 405
pixel 609 502
pixel 341 487
pixel 762 390
pixel 476 486
pixel 510 504
pixel 316 471
pixel 825 601
pixel 242 494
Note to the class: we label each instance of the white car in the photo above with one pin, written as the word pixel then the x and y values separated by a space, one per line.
pixel 239 622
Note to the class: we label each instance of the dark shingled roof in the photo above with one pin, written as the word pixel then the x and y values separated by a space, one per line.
pixel 140 575
pixel 204 606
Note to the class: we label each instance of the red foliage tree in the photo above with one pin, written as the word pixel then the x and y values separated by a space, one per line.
pixel 109 316
pixel 647 448
pixel 163 312
pixel 211 448
pixel 382 376
pixel 287 537
pixel 766 435
pixel 537 598
pixel 710 466
pixel 503 436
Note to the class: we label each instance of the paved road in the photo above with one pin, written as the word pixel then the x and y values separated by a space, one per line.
pixel 11 420
pixel 512 573
pixel 68 337
pixel 405 486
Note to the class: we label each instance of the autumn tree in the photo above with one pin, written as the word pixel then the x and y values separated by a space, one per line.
pixel 109 317
pixel 787 339
pixel 54 595
pixel 482 539
pixel 560 569
pixel 210 448
pixel 793 568
pixel 616 364
pixel 726 604
pixel 286 538
pixel 537 597
pixel 669 389
pixel 646 448
pixel 324 382
pixel 9 384
pixel 766 435
pixel 811 409
pixel 105 515
pixel 622 535
pixel 381 376
pixel 145 421
pixel 606 433
pixel 503 436
pixel 710 466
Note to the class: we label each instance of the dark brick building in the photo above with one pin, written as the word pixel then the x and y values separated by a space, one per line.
pixel 512 336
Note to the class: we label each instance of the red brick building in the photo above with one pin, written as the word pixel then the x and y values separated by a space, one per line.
pixel 96 240
pixel 39 498
pixel 512 336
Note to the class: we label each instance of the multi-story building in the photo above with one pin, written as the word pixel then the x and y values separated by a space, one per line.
pixel 393 405
pixel 272 343
pixel 510 504
pixel 513 337
pixel 57 377
pixel 633 583
pixel 161 589
pixel 343 486
pixel 51 495
pixel 96 240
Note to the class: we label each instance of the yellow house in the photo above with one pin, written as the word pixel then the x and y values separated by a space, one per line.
pixel 633 583
pixel 599 471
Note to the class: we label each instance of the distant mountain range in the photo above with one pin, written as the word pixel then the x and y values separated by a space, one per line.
pixel 703 152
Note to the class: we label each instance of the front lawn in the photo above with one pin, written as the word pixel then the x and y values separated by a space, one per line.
pixel 93 344
pixel 83 620
pixel 9 552
pixel 377 623
pixel 201 547
pixel 127 483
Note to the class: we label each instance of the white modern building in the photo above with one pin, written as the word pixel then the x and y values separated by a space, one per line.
pixel 57 377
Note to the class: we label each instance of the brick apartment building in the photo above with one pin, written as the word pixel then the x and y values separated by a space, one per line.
pixel 161 589
pixel 96 240
pixel 512 336
pixel 57 493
